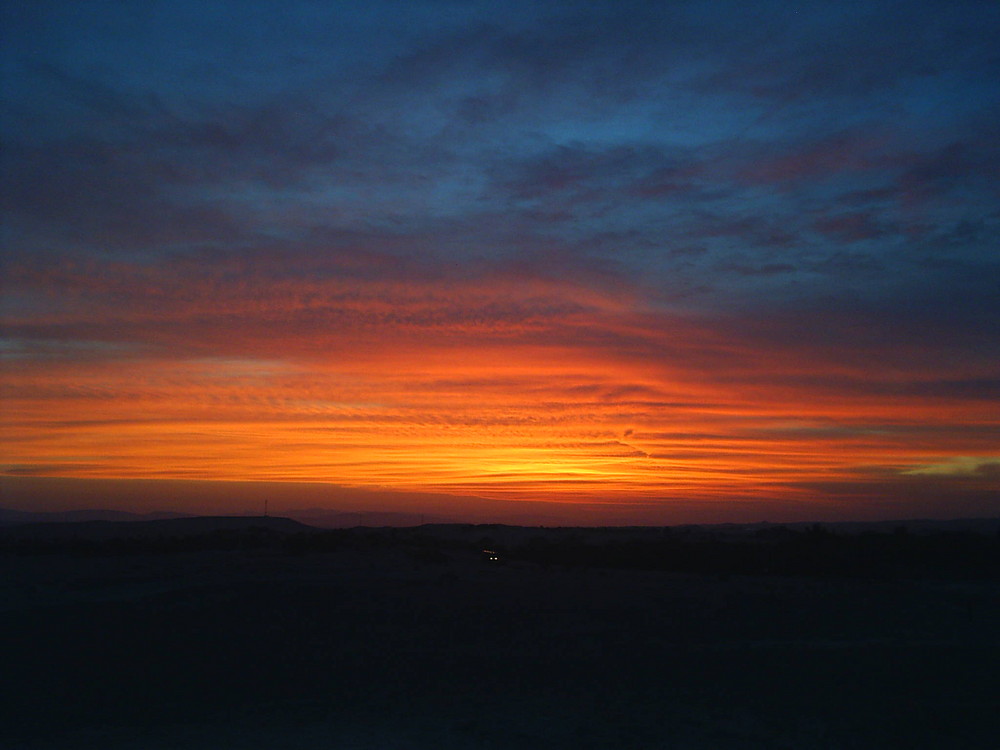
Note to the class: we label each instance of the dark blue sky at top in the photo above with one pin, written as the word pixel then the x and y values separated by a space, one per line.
pixel 829 162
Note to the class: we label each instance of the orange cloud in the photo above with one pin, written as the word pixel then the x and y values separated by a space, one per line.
pixel 496 386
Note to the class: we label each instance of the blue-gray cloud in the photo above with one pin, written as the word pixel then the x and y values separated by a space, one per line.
pixel 832 163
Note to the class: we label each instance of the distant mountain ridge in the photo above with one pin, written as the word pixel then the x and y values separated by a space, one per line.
pixel 187 526
pixel 340 519
pixel 320 517
pixel 11 517
pixel 122 523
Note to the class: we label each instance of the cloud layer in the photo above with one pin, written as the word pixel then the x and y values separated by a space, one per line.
pixel 589 253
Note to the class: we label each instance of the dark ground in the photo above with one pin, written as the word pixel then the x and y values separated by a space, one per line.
pixel 407 639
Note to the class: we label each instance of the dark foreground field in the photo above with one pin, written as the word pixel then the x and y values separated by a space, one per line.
pixel 284 638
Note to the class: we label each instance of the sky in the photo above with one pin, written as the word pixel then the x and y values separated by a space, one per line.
pixel 626 262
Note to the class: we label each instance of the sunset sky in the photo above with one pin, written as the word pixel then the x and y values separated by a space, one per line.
pixel 573 262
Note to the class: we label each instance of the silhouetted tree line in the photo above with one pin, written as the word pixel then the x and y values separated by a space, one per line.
pixel 223 540
pixel 814 551
pixel 778 550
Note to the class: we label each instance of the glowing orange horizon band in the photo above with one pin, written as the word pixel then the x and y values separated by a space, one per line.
pixel 600 402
